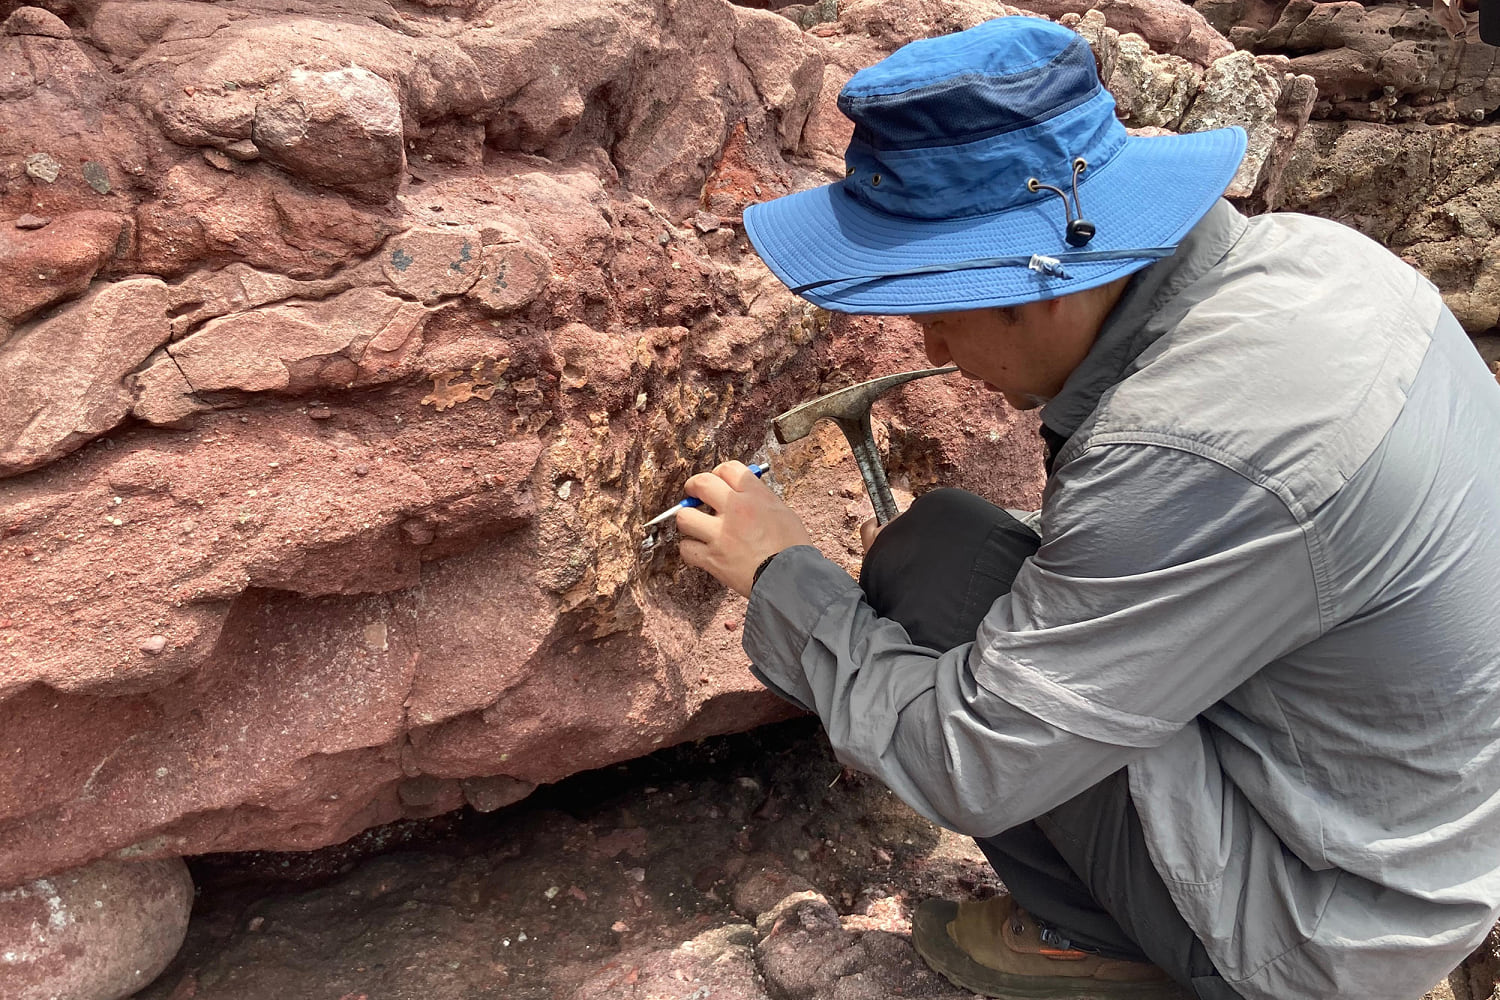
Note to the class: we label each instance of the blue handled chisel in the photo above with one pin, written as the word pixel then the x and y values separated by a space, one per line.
pixel 755 470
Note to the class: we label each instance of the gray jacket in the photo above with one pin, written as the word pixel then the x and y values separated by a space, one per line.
pixel 1270 554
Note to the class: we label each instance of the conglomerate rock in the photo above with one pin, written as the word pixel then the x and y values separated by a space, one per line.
pixel 344 347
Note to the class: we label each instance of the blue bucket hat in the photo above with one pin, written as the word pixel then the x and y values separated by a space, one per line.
pixel 987 168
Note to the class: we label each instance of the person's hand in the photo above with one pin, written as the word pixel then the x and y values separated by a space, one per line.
pixel 748 523
pixel 867 533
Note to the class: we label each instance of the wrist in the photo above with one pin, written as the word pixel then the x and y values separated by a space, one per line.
pixel 762 567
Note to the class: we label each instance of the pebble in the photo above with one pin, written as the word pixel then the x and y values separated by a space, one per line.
pixel 361 469
pixel 319 413
pixel 418 532
pixel 96 176
pixel 43 167
pixel 218 159
pixel 154 645
pixel 243 150
pixel 29 221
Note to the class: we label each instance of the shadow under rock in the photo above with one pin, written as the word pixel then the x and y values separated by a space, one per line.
pixel 648 875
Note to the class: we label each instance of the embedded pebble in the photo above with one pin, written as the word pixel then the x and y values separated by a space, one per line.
pixel 418 532
pixel 106 929
pixel 43 167
pixel 154 645
pixel 244 150
pixel 29 221
pixel 218 160
pixel 96 176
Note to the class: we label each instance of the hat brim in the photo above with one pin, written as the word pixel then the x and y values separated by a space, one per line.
pixel 1150 194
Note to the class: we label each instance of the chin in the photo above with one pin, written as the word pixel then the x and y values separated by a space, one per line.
pixel 1025 400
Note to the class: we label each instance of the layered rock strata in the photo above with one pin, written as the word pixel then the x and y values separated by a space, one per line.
pixel 344 350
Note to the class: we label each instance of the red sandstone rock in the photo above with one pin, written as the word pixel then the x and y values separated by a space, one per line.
pixel 96 933
pixel 62 379
pixel 35 21
pixel 50 263
pixel 1383 62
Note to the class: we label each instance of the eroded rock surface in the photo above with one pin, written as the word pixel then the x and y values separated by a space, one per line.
pixel 344 350
pixel 1400 146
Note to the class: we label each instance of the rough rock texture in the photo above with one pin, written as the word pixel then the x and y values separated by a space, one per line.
pixel 363 337
pixel 1401 145
pixel 100 932
pixel 357 344
pixel 1431 193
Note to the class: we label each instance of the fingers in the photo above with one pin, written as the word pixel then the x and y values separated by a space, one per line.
pixel 708 487
pixel 737 475
pixel 693 524
pixel 867 533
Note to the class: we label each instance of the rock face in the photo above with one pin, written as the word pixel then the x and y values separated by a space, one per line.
pixel 360 339
pixel 343 350
pixel 1401 144
pixel 100 932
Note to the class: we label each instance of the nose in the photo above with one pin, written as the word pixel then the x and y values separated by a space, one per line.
pixel 934 345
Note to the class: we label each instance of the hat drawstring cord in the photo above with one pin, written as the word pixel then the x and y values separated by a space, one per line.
pixel 1080 230
pixel 1047 267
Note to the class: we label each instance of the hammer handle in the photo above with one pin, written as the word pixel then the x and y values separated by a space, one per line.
pixel 861 437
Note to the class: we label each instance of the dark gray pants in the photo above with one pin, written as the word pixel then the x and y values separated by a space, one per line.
pixel 1082 868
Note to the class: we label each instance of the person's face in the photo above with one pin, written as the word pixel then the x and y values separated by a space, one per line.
pixel 1025 353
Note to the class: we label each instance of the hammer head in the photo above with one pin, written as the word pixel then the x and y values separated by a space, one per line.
pixel 847 404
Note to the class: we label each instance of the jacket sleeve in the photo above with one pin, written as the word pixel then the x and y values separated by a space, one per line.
pixel 1163 581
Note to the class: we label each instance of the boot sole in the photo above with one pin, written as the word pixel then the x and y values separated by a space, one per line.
pixel 929 934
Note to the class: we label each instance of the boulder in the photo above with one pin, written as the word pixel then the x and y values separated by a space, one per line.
pixel 100 932
pixel 1152 90
pixel 36 21
pixel 340 128
pixel 1240 89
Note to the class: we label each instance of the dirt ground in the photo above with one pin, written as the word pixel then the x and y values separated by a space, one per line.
pixel 751 867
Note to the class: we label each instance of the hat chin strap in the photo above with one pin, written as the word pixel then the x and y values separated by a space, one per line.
pixel 1048 266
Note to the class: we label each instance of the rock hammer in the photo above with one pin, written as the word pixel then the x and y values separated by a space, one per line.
pixel 850 409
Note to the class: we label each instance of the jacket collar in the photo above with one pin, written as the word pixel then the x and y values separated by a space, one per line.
pixel 1127 330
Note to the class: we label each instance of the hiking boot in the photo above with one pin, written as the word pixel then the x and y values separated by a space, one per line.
pixel 995 948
